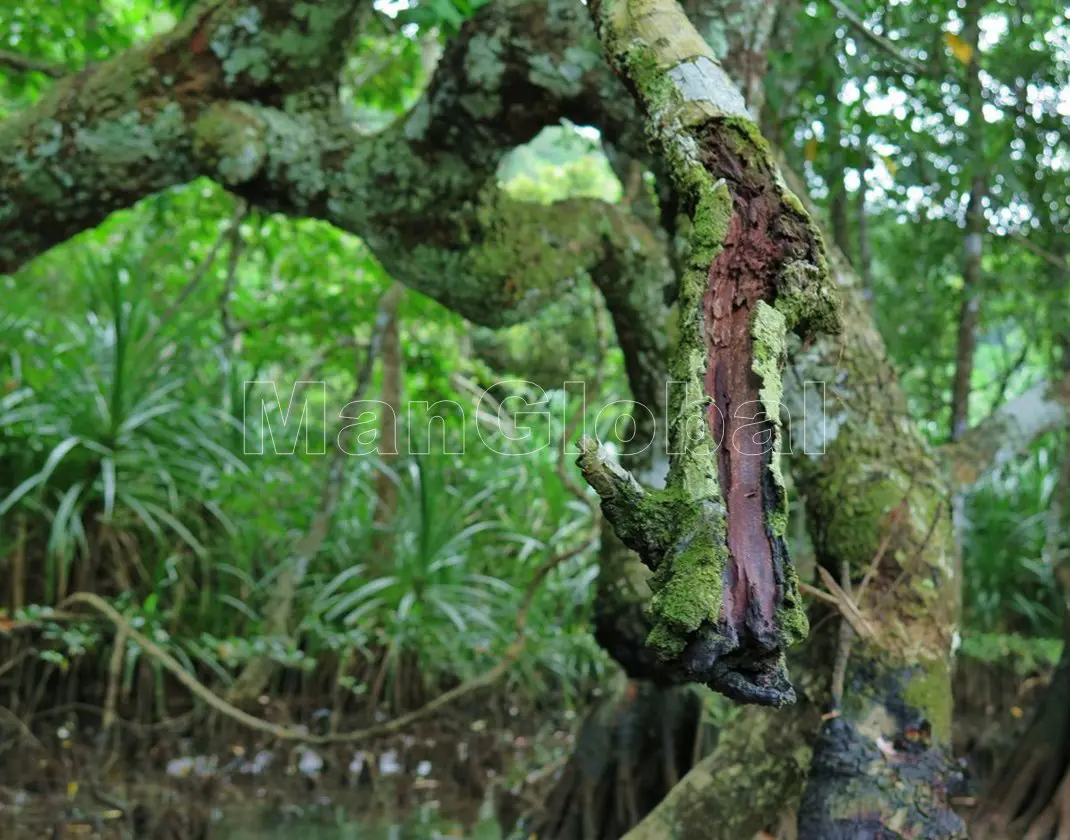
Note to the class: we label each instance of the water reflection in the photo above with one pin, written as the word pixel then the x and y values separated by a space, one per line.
pixel 425 824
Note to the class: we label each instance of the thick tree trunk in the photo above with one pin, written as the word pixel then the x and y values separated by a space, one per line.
pixel 864 775
pixel 878 507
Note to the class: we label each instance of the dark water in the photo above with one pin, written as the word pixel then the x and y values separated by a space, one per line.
pixel 358 831
pixel 424 824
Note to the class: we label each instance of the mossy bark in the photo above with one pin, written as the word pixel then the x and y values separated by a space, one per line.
pixel 245 93
pixel 877 766
pixel 124 129
pixel 878 504
pixel 725 602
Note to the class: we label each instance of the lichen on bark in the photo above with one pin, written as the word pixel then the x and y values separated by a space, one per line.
pixel 725 603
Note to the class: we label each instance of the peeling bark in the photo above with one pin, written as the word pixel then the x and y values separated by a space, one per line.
pixel 738 32
pixel 725 605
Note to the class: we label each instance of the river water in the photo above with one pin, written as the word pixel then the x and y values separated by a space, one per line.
pixel 424 824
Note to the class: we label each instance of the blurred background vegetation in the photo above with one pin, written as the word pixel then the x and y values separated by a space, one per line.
pixel 123 353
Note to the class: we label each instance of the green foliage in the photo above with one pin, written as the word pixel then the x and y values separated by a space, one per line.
pixel 447 15
pixel 561 162
pixel 1025 655
pixel 900 132
pixel 123 470
pixel 96 438
pixel 1010 583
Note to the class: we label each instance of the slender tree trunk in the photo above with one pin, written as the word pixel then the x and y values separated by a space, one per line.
pixel 836 185
pixel 17 570
pixel 973 246
pixel 256 675
pixel 865 256
pixel 386 489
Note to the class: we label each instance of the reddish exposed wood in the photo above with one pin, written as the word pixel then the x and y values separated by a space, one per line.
pixel 759 241
pixel 738 279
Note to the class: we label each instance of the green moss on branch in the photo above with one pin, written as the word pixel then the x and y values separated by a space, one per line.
pixel 725 601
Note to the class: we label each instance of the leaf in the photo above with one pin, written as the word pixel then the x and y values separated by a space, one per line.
pixel 810 150
pixel 142 513
pixel 58 537
pixel 239 606
pixel 450 612
pixel 107 473
pixel 181 530
pixel 20 491
pixel 337 582
pixel 355 597
pixel 26 486
pixel 890 165
pixel 959 48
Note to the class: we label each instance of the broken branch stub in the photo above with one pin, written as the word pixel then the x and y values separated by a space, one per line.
pixel 725 602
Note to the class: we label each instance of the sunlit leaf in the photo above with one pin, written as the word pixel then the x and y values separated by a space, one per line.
pixel 959 48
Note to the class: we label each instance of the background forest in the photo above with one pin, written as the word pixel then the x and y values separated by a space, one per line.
pixel 341 593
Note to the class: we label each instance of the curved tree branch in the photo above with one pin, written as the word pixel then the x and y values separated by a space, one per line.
pixel 996 440
pixel 726 604
pixel 245 93
pixel 28 64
